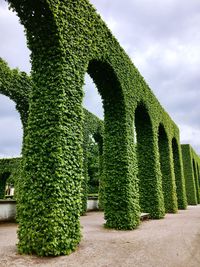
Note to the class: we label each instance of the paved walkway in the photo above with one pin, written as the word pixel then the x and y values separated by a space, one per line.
pixel 171 242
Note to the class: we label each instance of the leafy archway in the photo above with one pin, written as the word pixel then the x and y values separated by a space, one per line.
pixel 196 180
pixel 149 188
pixel 68 39
pixel 168 178
pixel 179 175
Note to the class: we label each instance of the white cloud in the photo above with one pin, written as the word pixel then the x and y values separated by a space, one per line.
pixel 13 46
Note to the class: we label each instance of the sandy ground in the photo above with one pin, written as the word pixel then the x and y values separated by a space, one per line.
pixel 170 242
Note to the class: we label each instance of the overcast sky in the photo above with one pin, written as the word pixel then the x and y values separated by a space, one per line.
pixel 161 37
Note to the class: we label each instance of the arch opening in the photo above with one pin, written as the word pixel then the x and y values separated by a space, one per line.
pixel 115 182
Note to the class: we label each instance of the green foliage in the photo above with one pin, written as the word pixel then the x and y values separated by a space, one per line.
pixel 68 39
pixel 151 198
pixel 9 173
pixel 168 178
pixel 17 86
pixel 21 92
pixel 195 162
pixel 189 175
pixel 179 175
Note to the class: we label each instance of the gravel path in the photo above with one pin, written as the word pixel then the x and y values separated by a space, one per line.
pixel 171 242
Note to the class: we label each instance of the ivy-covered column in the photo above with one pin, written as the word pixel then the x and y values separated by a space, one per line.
pixel 167 170
pixel 101 196
pixel 189 175
pixel 150 179
pixel 121 205
pixel 196 180
pixel 84 184
pixel 179 175
pixel 198 186
pixel 98 136
pixel 49 195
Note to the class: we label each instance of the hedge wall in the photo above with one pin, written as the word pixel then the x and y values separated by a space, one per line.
pixel 179 175
pixel 189 174
pixel 17 86
pixel 168 178
pixel 9 172
pixel 68 39
pixel 195 163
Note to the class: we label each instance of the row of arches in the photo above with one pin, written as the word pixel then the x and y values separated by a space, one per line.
pixel 160 174
pixel 158 156
pixel 68 39
pixel 171 173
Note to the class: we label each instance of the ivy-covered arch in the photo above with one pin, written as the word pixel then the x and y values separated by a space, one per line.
pixel 63 155
pixel 68 39
pixel 151 199
pixel 12 86
pixel 168 179
pixel 187 153
pixel 198 173
pixel 18 86
pixel 194 165
pixel 159 117
pixel 179 174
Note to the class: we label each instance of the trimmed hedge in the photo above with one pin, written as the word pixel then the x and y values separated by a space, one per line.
pixel 189 174
pixel 68 39
pixel 179 175
pixel 17 86
pixel 195 162
pixel 168 178
pixel 9 172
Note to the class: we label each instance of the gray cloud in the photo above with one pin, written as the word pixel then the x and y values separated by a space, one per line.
pixel 161 37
